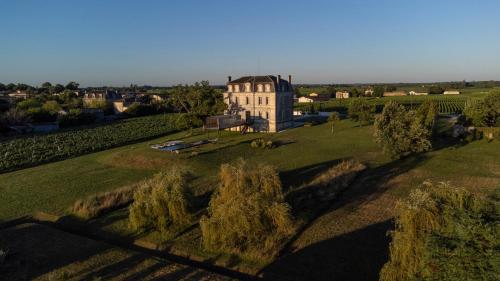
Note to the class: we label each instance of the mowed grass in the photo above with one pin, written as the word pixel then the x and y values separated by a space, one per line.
pixel 56 186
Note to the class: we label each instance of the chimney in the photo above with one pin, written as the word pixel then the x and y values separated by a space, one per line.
pixel 229 79
pixel 290 79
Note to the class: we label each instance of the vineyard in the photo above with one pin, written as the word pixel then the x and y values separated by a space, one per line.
pixel 37 149
pixel 446 104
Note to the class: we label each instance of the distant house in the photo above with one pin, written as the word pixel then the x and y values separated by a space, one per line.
pixel 313 97
pixel 451 93
pixel 91 97
pixel 156 97
pixel 18 95
pixel 395 94
pixel 413 93
pixel 342 95
pixel 369 92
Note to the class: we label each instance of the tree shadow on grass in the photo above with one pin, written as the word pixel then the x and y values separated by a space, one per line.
pixel 358 255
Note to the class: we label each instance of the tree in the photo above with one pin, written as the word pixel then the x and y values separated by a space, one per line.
pixel 333 119
pixel 73 86
pixel 435 90
pixel 391 88
pixel 492 109
pixel 360 111
pixel 199 99
pixel 46 85
pixel 57 89
pixel 484 112
pixel 378 91
pixel 444 233
pixel 248 213
pixel 2 87
pixel 163 203
pixel 51 106
pixel 11 87
pixel 427 113
pixel 399 131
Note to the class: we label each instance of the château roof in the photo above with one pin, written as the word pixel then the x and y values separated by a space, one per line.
pixel 263 79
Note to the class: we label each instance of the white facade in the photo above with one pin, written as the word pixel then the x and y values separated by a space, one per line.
pixel 451 93
pixel 265 102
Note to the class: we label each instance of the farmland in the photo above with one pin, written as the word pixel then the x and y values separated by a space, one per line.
pixel 446 104
pixel 37 149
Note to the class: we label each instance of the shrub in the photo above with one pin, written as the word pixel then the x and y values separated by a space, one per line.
pixel 162 203
pixel 400 132
pixel 326 185
pixel 247 215
pixel 102 203
pixel 40 115
pixel 261 143
pixel 444 233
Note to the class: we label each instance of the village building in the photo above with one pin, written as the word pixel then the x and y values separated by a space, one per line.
pixel 18 94
pixel 414 93
pixel 91 98
pixel 395 94
pixel 263 103
pixel 369 92
pixel 342 95
pixel 313 97
pixel 451 93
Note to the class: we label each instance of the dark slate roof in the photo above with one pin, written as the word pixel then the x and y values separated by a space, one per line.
pixel 263 79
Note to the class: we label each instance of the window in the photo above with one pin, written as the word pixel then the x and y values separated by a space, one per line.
pixel 268 87
pixel 229 88
pixel 247 100
pixel 260 100
pixel 237 88
pixel 236 100
pixel 247 87
pixel 260 114
pixel 267 100
pixel 267 115
pixel 260 88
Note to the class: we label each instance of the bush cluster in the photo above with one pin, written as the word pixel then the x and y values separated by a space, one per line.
pixel 163 203
pixel 102 203
pixel 261 143
pixel 445 233
pixel 247 214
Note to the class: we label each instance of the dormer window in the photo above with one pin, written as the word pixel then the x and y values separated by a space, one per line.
pixel 247 87
pixel 260 88
pixel 236 88
pixel 229 88
pixel 268 87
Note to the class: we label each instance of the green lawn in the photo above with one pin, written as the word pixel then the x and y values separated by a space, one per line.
pixel 54 187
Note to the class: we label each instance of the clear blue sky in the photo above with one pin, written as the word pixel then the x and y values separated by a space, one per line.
pixel 98 42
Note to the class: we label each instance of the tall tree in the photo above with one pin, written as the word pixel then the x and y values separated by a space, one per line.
pixel 400 132
pixel 72 86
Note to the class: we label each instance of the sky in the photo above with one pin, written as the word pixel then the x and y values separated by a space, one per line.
pixel 162 43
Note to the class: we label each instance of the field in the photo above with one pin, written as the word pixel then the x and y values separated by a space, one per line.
pixel 42 148
pixel 446 104
pixel 351 233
